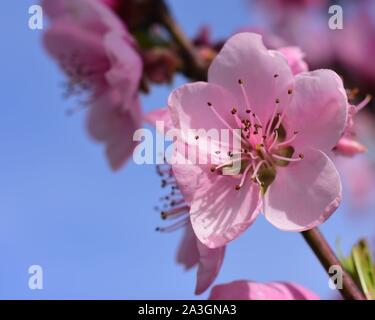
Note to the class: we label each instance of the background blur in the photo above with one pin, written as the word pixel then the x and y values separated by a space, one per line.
pixel 93 231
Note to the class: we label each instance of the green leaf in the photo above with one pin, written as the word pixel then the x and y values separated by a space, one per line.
pixel 359 264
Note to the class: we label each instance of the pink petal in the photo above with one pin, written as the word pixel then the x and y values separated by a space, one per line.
pixel 161 114
pixel 295 58
pixel 114 126
pixel 94 16
pixel 219 213
pixel 188 178
pixel 74 48
pixel 191 252
pixel 304 194
pixel 188 254
pixel 126 66
pixel 189 106
pixel 248 290
pixel 349 147
pixel 210 262
pixel 245 57
pixel 318 110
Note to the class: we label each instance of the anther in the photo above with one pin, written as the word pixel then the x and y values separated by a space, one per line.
pixel 301 156
pixel 240 81
pixel 212 169
pixel 209 104
pixel 234 111
pixel 290 91
pixel 248 111
pixel 196 137
pixel 277 100
pixel 238 187
pixel 275 75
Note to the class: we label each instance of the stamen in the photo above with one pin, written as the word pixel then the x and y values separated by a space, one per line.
pixel 284 143
pixel 219 116
pixel 364 102
pixel 239 186
pixel 255 174
pixel 274 140
pixel 246 98
pixel 226 164
pixel 174 226
pixel 300 157
pixel 175 212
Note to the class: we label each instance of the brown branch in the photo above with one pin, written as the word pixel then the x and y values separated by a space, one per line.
pixel 327 258
pixel 194 66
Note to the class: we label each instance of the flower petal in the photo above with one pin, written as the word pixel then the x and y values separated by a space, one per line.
pixel 304 194
pixel 190 106
pixel 249 290
pixel 318 110
pixel 108 123
pixel 219 213
pixel 295 58
pixel 210 261
pixel 187 253
pixel 161 114
pixel 126 67
pixel 266 74
pixel 94 16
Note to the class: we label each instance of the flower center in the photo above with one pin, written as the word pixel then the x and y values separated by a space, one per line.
pixel 264 146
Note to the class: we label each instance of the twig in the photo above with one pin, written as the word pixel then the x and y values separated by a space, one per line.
pixel 194 67
pixel 327 258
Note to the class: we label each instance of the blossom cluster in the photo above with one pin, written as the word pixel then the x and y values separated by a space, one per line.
pixel 291 125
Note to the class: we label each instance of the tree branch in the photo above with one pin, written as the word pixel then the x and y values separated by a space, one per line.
pixel 194 67
pixel 327 258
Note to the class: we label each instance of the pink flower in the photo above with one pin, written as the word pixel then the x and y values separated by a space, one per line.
pixel 248 290
pixel 97 53
pixel 288 126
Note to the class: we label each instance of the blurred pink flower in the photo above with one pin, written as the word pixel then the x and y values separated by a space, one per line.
pixel 358 173
pixel 348 145
pixel 302 23
pixel 288 125
pixel 249 290
pixel 355 43
pixel 97 53
pixel 302 4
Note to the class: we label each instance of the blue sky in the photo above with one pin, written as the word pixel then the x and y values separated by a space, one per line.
pixel 91 230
